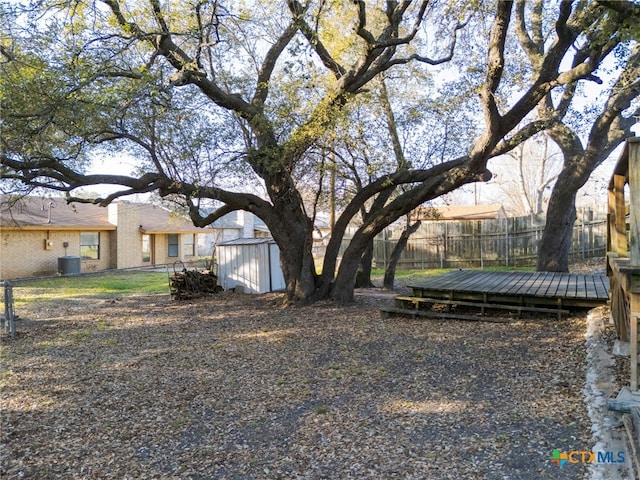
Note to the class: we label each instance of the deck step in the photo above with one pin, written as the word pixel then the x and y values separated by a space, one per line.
pixel 387 312
pixel 481 305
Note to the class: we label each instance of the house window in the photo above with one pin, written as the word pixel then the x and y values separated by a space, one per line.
pixel 90 245
pixel 173 244
pixel 146 248
pixel 189 244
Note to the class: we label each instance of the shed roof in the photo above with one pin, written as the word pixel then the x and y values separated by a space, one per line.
pixel 248 241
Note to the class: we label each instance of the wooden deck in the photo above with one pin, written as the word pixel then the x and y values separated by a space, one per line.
pixel 542 292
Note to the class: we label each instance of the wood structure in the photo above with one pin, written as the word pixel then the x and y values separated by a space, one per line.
pixel 7 319
pixel 250 264
pixel 517 292
pixel 623 249
pixel 189 284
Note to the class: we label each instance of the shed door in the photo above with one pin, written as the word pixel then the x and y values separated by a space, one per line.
pixel 277 277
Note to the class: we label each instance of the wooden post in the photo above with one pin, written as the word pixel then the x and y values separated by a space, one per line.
pixel 633 348
pixel 9 315
pixel 617 217
pixel 634 204
pixel 623 258
pixel 634 246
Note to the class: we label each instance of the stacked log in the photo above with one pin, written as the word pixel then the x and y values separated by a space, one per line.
pixel 189 284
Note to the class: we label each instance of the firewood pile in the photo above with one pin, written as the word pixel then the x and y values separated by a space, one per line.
pixel 189 284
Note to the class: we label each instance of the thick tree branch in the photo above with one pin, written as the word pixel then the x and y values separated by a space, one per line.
pixel 187 70
pixel 532 44
pixel 495 67
pixel 630 10
pixel 521 136
pixel 361 28
pixel 297 10
pixel 428 178
pixel 68 179
pixel 269 63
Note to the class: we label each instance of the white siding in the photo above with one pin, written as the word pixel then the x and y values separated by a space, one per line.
pixel 277 277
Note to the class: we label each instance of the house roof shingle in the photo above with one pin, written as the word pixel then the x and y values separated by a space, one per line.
pixel 37 213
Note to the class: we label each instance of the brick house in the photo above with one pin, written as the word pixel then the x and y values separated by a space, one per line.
pixel 35 232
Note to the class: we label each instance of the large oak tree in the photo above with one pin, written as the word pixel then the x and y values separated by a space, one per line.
pixel 200 90
pixel 586 135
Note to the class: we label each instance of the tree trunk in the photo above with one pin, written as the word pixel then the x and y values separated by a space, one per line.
pixel 363 276
pixel 298 268
pixel 555 245
pixel 390 270
pixel 607 132
pixel 342 289
pixel 292 230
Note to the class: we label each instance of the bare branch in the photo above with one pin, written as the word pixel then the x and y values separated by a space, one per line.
pixel 361 29
pixel 521 136
pixel 312 37
pixel 6 53
pixel 532 44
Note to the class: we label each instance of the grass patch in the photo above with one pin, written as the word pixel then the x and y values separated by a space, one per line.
pixel 408 277
pixel 152 283
pixel 102 285
pixel 379 272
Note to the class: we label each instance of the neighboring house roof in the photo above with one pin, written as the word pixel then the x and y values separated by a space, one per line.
pixel 260 226
pixel 468 212
pixel 230 220
pixel 322 220
pixel 154 219
pixel 37 213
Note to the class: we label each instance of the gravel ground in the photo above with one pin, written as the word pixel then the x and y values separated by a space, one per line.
pixel 238 387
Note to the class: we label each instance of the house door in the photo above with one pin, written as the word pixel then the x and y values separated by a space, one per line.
pixel 148 249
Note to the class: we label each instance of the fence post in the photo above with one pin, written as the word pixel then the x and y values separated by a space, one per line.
pixel 9 317
pixel 506 241
pixel 583 253
pixel 481 239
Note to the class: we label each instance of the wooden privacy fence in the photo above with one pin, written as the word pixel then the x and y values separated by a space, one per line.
pixel 508 242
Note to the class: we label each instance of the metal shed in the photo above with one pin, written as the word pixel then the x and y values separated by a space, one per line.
pixel 252 263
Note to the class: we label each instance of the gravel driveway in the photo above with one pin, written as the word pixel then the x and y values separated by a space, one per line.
pixel 237 387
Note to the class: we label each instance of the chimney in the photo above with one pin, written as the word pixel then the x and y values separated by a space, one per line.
pixel 245 219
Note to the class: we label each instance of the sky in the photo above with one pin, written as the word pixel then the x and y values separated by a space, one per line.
pixel 483 193
pixel 594 193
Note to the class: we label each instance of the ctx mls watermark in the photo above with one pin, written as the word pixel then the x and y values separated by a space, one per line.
pixel 586 456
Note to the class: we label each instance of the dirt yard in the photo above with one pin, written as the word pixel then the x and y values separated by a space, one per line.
pixel 238 387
